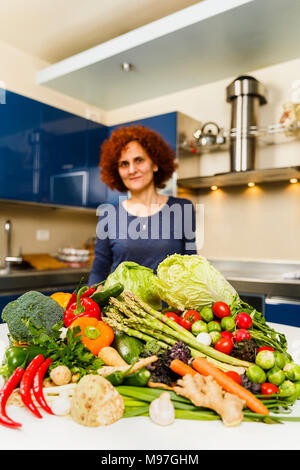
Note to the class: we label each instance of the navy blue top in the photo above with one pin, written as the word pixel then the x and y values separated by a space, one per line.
pixel 144 240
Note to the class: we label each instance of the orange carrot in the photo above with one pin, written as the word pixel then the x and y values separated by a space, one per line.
pixel 180 368
pixel 206 368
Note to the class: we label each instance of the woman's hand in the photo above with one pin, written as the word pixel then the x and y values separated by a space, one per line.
pixel 99 288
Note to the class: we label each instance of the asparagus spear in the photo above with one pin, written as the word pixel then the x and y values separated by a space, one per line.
pixel 166 325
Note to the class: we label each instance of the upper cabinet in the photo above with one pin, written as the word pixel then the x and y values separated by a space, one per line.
pixel 206 42
pixel 20 162
pixel 48 155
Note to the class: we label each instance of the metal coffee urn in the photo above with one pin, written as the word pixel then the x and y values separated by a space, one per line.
pixel 245 94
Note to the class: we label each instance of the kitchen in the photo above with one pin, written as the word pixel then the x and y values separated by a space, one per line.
pixel 75 92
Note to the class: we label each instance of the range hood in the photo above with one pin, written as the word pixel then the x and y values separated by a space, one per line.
pixel 268 175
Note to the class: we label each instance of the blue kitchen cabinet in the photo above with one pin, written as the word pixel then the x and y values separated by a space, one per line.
pixel 283 311
pixel 163 124
pixel 20 164
pixel 73 173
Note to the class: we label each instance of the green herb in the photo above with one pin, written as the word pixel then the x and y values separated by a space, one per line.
pixel 68 351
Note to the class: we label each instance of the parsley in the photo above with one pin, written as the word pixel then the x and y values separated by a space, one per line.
pixel 68 351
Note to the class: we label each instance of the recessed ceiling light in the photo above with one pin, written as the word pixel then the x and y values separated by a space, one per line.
pixel 213 187
pixel 127 67
pixel 251 184
pixel 293 180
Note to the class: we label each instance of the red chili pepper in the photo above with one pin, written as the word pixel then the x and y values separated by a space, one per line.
pixel 26 382
pixel 5 393
pixel 89 292
pixel 37 385
pixel 83 307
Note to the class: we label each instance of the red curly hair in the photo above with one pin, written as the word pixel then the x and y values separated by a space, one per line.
pixel 157 149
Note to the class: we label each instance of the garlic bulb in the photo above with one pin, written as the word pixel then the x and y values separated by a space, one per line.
pixel 162 410
pixel 61 405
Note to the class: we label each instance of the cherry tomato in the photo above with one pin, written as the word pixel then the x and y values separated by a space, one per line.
pixel 265 348
pixel 224 345
pixel 173 316
pixel 243 320
pixel 268 388
pixel 192 315
pixel 234 376
pixel 221 309
pixel 185 323
pixel 228 335
pixel 241 334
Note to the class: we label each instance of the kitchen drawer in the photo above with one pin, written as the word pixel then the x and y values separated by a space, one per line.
pixel 282 310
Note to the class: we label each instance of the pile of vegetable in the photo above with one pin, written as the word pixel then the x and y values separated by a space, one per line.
pixel 179 344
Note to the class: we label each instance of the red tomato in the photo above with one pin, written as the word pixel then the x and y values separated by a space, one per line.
pixel 173 316
pixel 268 389
pixel 243 320
pixel 221 309
pixel 224 345
pixel 185 323
pixel 227 334
pixel 241 334
pixel 192 315
pixel 234 376
pixel 265 348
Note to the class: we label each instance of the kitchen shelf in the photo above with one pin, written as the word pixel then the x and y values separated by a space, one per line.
pixel 206 42
pixel 274 134
pixel 268 175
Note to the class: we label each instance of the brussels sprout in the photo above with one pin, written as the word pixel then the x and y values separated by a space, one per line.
pixel 287 389
pixel 265 359
pixel 276 376
pixel 228 324
pixel 213 326
pixel 297 386
pixel 280 359
pixel 199 326
pixel 292 371
pixel 256 374
pixel 215 335
pixel 207 313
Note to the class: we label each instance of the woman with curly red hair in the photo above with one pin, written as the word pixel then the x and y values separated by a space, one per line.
pixel 147 226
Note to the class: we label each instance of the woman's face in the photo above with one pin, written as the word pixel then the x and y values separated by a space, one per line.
pixel 135 167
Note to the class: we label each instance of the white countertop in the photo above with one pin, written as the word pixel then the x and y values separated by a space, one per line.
pixel 61 433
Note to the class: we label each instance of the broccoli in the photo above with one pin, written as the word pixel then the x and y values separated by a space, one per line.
pixel 40 309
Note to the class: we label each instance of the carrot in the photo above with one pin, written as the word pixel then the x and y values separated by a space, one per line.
pixel 206 368
pixel 180 368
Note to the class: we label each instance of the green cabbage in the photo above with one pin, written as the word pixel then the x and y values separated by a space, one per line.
pixel 190 281
pixel 136 279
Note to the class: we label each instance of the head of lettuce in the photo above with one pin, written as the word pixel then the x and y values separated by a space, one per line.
pixel 136 279
pixel 190 281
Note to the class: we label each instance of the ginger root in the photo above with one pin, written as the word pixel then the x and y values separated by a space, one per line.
pixel 206 392
pixel 140 364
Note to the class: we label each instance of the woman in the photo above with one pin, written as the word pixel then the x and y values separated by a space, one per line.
pixel 147 226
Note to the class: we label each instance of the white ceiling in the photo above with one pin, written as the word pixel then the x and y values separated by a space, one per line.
pixel 54 29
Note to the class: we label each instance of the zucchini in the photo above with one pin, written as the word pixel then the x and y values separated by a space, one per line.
pixel 128 347
pixel 102 297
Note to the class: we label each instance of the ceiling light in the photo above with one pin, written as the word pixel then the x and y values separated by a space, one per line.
pixel 213 188
pixel 127 67
pixel 293 180
pixel 251 184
